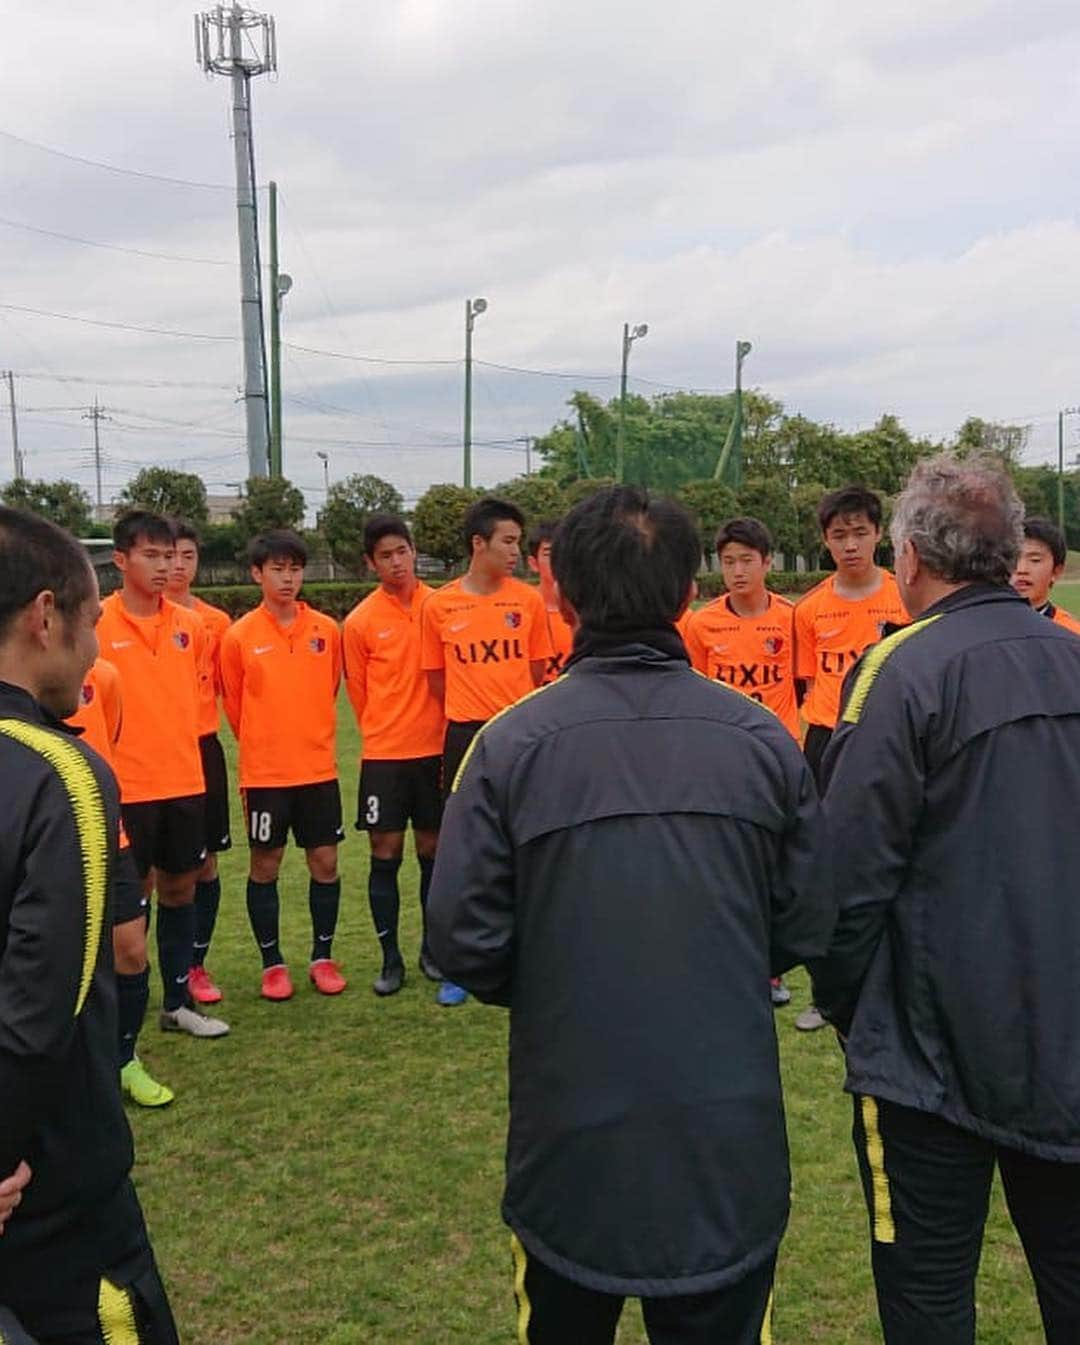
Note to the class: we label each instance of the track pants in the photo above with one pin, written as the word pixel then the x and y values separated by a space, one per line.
pixel 927 1188
pixel 553 1310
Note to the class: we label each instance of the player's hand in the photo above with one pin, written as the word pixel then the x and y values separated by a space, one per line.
pixel 11 1189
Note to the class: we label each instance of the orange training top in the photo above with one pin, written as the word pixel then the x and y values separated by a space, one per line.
pixel 485 642
pixel 99 714
pixel 399 718
pixel 831 633
pixel 280 687
pixel 161 662
pixel 754 654
pixel 217 623
pixel 1066 619
pixel 562 643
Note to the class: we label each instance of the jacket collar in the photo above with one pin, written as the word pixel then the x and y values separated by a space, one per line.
pixel 973 595
pixel 657 646
pixel 18 703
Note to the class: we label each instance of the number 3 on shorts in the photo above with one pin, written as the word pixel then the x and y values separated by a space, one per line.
pixel 260 827
pixel 372 814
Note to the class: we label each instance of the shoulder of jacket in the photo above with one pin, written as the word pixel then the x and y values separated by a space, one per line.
pixel 875 659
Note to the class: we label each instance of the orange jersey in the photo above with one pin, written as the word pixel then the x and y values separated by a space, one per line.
pixel 562 643
pixel 280 687
pixel 399 718
pixel 217 623
pixel 98 714
pixel 831 633
pixel 485 642
pixel 1065 619
pixel 754 654
pixel 161 661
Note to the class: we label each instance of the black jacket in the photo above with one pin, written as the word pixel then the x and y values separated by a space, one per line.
pixel 60 1105
pixel 952 793
pixel 629 854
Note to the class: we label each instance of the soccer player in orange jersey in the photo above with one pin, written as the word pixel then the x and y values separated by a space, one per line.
pixel 402 727
pixel 747 637
pixel 280 672
pixel 837 621
pixel 559 631
pixel 484 640
pixel 159 651
pixel 100 718
pixel 1040 566
pixel 218 826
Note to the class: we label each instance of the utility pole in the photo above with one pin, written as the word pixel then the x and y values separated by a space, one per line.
pixel 219 49
pixel 16 455
pixel 527 440
pixel 1067 411
pixel 280 285
pixel 473 309
pixel 96 415
pixel 628 339
pixel 729 463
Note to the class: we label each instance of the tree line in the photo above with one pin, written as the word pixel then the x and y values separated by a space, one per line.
pixel 672 444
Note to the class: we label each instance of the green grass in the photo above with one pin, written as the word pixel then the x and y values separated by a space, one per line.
pixel 331 1171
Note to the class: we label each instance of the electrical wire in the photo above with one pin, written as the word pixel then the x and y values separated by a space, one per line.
pixel 115 168
pixel 113 247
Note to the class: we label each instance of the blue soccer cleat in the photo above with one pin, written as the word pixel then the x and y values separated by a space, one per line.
pixel 450 995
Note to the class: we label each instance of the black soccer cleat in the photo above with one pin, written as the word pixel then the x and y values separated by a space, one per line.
pixel 390 980
pixel 429 967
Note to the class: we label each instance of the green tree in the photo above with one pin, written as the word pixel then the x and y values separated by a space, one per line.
pixel 64 503
pixel 711 502
pixel 269 502
pixel 1006 442
pixel 805 499
pixel 581 489
pixel 438 520
pixel 538 497
pixel 168 492
pixel 769 500
pixel 349 505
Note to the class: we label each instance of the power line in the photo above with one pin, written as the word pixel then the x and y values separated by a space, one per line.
pixel 119 326
pixel 112 167
pixel 97 380
pixel 361 359
pixel 112 247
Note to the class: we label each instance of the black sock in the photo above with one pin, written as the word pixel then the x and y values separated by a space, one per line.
pixel 263 906
pixel 132 997
pixel 175 939
pixel 427 868
pixel 385 903
pixel 207 901
pixel 323 902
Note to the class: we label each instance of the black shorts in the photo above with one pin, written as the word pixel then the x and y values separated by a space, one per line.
pixel 814 745
pixel 218 828
pixel 167 834
pixel 458 740
pixel 129 896
pixel 312 811
pixel 393 793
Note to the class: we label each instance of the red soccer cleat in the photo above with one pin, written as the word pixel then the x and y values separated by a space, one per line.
pixel 276 983
pixel 326 977
pixel 202 988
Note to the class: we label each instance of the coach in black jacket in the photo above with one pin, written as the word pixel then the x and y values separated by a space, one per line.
pixel 952 791
pixel 627 856
pixel 75 1263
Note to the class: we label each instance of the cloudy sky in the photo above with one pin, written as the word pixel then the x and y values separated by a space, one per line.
pixel 880 197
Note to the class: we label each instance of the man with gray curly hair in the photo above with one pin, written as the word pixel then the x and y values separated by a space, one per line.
pixel 951 788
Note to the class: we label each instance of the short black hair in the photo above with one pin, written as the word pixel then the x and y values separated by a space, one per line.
pixel 749 532
pixel 35 556
pixel 384 525
pixel 846 501
pixel 483 517
pixel 141 525
pixel 625 559
pixel 539 533
pixel 183 531
pixel 1051 536
pixel 280 544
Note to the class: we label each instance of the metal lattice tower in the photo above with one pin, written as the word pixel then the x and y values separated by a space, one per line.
pixel 237 42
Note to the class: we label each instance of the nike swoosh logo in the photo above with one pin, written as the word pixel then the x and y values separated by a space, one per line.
pixel 121 644
pixel 384 634
pixel 461 625
pixel 828 634
pixel 262 649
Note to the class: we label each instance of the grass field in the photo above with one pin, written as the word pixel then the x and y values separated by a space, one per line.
pixel 331 1171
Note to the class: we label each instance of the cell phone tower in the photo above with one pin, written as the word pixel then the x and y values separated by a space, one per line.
pixel 237 42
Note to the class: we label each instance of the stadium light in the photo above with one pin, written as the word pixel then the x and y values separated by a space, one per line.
pixel 628 339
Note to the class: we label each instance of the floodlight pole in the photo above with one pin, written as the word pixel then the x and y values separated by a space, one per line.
pixel 219 48
pixel 628 339
pixel 17 458
pixel 473 308
pixel 1067 411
